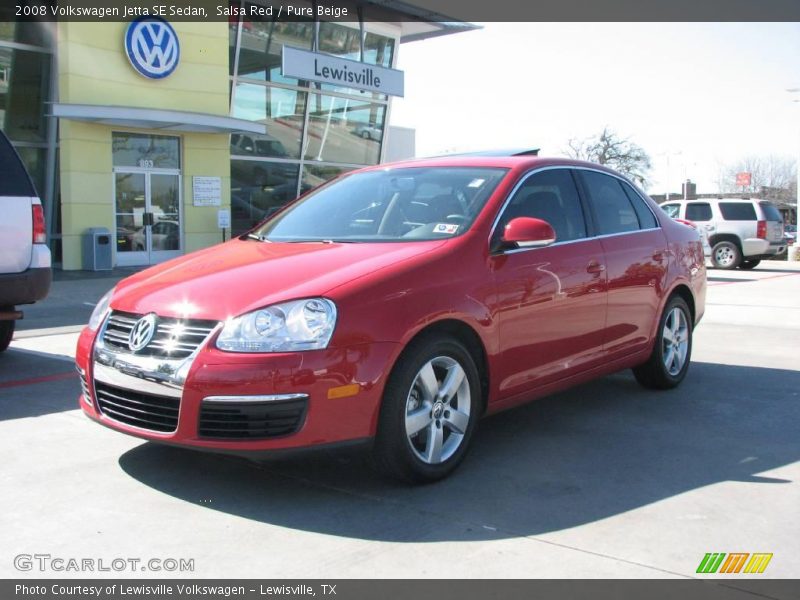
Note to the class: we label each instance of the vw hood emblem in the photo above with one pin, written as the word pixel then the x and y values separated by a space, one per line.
pixel 143 331
pixel 152 47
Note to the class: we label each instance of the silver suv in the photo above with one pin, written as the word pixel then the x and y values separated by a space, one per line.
pixel 24 256
pixel 740 232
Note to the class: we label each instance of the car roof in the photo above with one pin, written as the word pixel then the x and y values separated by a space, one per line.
pixel 505 161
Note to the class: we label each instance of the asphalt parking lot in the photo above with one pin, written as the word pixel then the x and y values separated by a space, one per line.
pixel 606 480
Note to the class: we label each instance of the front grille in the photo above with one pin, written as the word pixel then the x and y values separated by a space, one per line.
pixel 146 411
pixel 251 420
pixel 174 338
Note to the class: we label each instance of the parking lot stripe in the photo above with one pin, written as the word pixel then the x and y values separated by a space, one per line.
pixel 34 380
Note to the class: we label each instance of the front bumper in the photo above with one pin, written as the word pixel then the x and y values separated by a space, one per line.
pixel 341 388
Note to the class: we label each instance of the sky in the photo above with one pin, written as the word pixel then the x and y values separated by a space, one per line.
pixel 695 96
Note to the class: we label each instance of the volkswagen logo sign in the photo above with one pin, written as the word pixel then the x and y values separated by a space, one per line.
pixel 152 47
pixel 143 331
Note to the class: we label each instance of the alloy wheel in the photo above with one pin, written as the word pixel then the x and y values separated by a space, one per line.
pixel 675 340
pixel 438 410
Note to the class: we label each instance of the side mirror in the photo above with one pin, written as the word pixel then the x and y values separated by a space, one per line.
pixel 526 232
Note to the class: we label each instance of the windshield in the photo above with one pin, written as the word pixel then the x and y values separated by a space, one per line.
pixel 390 205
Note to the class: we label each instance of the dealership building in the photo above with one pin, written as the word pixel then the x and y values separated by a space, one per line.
pixel 163 131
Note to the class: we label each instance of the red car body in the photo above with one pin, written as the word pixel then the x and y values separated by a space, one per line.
pixel 539 321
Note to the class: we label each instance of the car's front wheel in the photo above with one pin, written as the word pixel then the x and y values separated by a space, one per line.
pixel 672 349
pixel 430 407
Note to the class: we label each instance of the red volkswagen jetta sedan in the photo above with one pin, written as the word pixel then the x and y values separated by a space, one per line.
pixel 397 305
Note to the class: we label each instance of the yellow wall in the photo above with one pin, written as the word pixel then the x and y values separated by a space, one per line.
pixel 93 69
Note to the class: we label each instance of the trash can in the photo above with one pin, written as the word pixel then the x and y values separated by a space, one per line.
pixel 96 249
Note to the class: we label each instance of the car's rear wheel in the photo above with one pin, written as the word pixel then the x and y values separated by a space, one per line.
pixel 430 407
pixel 672 350
pixel 726 255
pixel 6 333
pixel 749 264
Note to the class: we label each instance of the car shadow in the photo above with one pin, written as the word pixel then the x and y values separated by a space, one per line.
pixel 25 375
pixel 592 452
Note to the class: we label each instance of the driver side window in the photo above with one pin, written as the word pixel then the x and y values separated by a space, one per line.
pixel 551 196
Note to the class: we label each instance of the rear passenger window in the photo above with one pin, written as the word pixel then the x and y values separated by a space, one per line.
pixel 615 213
pixel 553 197
pixel 737 211
pixel 698 211
pixel 673 210
pixel 646 218
pixel 14 180
pixel 771 213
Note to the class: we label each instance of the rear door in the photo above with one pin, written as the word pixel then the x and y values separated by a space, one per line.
pixel 636 258
pixel 16 218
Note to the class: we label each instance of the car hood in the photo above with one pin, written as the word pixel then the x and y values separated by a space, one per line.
pixel 243 275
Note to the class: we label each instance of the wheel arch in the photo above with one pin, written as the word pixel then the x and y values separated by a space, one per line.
pixel 685 292
pixel 716 238
pixel 467 335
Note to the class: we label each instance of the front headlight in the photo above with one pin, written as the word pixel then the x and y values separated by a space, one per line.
pixel 100 310
pixel 286 327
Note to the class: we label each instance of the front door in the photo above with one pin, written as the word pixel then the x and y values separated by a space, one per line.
pixel 148 216
pixel 551 301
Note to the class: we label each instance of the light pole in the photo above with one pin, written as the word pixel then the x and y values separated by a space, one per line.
pixel 794 251
pixel 668 155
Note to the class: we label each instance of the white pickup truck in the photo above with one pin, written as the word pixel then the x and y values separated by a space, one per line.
pixel 25 272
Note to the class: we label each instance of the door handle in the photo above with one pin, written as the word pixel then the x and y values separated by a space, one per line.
pixel 595 267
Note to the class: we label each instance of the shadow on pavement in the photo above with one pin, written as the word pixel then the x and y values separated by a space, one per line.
pixel 593 452
pixel 33 384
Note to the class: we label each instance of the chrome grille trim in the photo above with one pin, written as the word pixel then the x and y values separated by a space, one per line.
pixel 174 338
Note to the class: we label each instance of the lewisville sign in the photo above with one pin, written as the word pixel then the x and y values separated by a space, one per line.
pixel 324 68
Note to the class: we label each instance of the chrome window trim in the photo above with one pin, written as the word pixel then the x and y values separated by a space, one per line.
pixel 588 237
pixel 254 399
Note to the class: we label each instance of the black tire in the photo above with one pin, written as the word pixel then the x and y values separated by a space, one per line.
pixel 726 255
pixel 749 264
pixel 654 374
pixel 393 452
pixel 6 333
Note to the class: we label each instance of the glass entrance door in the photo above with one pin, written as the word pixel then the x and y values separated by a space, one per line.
pixel 148 216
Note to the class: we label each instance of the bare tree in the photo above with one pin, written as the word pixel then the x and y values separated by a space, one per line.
pixel 771 175
pixel 608 148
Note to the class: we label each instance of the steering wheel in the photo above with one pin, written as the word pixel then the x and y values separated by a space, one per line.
pixel 456 218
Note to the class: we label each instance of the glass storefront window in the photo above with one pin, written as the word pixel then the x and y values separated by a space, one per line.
pixel 233 29
pixel 262 43
pixel 344 130
pixel 316 175
pixel 143 150
pixel 35 161
pixel 24 84
pixel 34 34
pixel 259 189
pixel 281 109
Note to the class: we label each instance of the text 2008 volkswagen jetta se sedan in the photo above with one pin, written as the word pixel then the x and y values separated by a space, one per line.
pixel 398 304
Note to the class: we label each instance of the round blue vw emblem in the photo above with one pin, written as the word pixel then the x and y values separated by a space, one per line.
pixel 152 47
